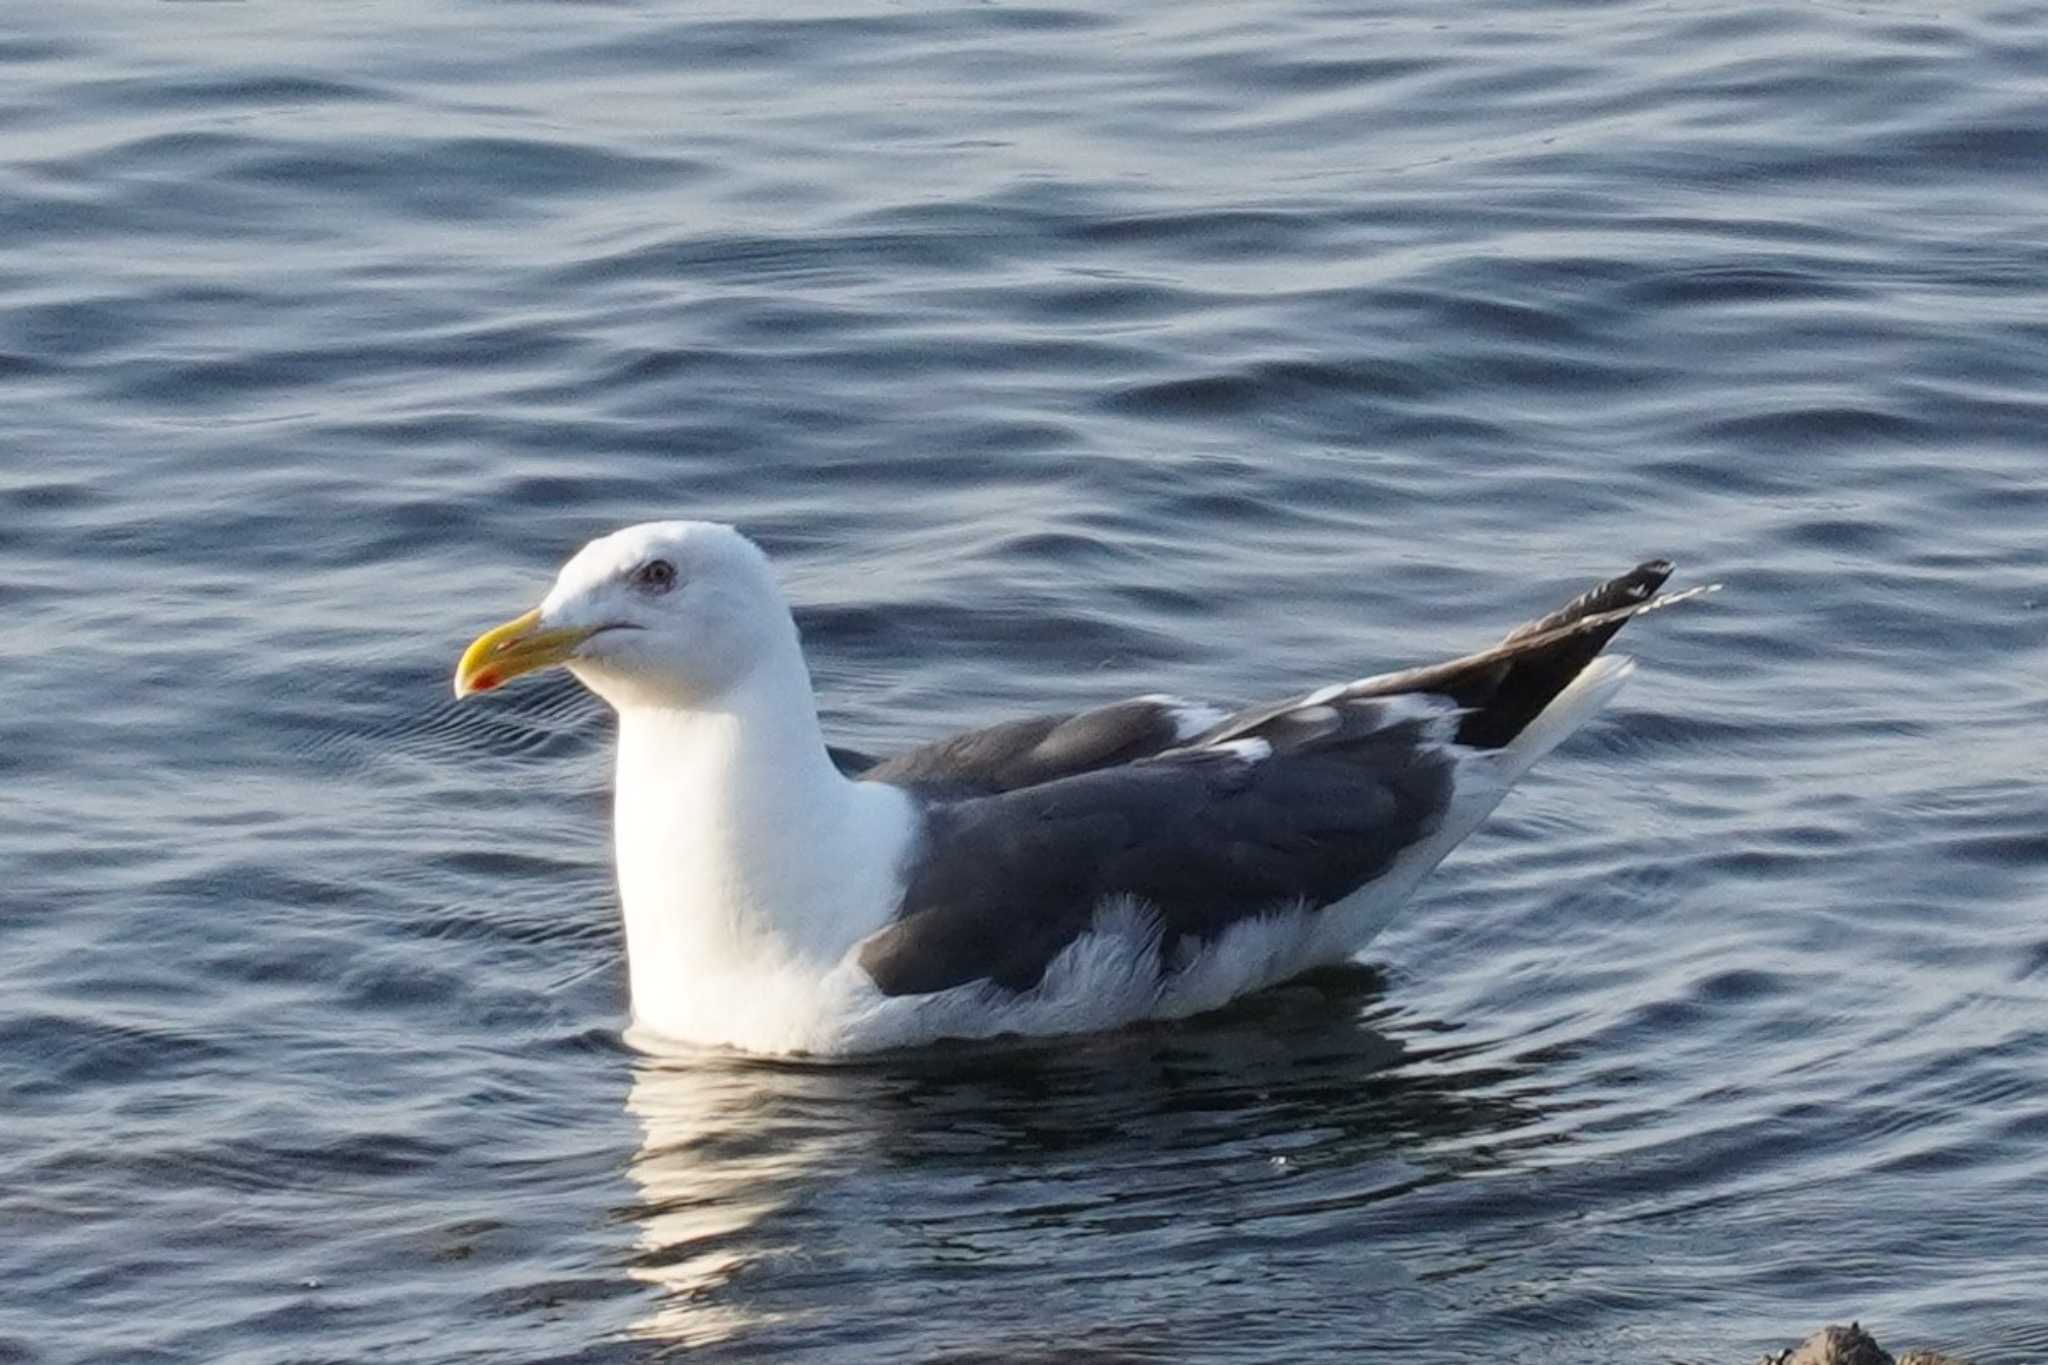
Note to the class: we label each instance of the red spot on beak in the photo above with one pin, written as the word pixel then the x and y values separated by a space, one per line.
pixel 484 681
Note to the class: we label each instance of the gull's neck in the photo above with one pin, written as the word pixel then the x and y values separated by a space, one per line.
pixel 743 853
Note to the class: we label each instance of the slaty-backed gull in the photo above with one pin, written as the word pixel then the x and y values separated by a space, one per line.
pixel 1151 858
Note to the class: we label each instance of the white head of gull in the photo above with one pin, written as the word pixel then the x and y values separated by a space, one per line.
pixel 1148 858
pixel 748 865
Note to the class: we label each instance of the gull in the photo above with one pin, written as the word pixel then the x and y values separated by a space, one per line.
pixel 1151 858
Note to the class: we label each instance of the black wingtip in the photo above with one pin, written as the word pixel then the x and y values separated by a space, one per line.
pixel 1633 586
pixel 1653 570
pixel 1631 589
pixel 1521 685
pixel 1648 576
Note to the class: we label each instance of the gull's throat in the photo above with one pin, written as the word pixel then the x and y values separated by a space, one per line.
pixel 744 857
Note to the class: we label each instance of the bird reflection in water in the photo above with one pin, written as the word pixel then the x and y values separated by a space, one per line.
pixel 775 1196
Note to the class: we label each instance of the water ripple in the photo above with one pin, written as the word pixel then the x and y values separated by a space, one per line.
pixel 1056 355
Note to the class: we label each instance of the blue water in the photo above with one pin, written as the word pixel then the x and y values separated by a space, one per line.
pixel 1057 354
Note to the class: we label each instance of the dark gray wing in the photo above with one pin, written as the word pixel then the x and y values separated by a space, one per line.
pixel 1203 837
pixel 1502 688
pixel 1025 753
pixel 1301 802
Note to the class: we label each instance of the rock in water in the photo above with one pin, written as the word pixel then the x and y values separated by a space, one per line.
pixel 1852 1345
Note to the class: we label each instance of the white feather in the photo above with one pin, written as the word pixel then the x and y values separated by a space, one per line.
pixel 1189 718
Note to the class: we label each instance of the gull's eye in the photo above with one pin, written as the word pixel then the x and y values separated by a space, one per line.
pixel 656 575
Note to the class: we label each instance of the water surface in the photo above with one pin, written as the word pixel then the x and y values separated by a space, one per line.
pixel 1057 354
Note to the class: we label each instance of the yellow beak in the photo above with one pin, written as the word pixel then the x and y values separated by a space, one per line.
pixel 516 647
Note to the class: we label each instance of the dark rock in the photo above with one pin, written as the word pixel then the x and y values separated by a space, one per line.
pixel 1852 1345
pixel 1849 1345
